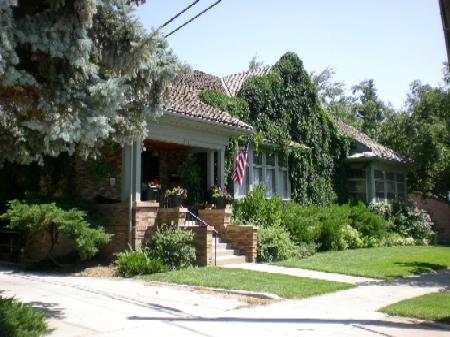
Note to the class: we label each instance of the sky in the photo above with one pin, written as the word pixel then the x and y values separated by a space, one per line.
pixel 392 41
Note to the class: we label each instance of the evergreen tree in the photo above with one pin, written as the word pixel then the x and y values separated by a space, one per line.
pixel 76 74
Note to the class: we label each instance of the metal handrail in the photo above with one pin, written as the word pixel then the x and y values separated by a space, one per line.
pixel 205 224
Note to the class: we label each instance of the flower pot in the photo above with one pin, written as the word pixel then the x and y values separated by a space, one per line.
pixel 220 202
pixel 174 201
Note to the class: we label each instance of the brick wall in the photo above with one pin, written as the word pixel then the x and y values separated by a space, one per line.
pixel 242 238
pixel 439 212
pixel 144 220
pixel 87 182
pixel 177 216
pixel 203 238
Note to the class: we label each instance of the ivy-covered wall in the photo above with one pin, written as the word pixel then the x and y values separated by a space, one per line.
pixel 283 106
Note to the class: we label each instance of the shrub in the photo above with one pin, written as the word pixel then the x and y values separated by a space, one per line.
pixel 274 244
pixel 395 239
pixel 304 249
pixel 367 222
pixel 255 209
pixel 414 222
pixel 20 320
pixel 57 223
pixel 137 262
pixel 303 223
pixel 173 246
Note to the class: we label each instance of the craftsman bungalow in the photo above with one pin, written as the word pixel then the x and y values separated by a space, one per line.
pixel 191 129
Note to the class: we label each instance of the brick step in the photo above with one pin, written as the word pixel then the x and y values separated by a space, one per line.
pixel 221 245
pixel 226 252
pixel 230 259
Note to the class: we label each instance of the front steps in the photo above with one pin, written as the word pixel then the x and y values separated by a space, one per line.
pixel 226 254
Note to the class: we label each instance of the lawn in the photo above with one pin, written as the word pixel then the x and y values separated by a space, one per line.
pixel 380 262
pixel 435 307
pixel 283 285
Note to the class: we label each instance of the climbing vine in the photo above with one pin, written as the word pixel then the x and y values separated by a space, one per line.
pixel 283 106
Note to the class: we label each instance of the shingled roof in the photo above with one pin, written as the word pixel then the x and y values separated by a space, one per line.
pixel 376 150
pixel 234 82
pixel 184 100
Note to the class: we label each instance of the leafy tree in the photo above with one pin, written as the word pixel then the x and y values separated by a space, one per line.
pixel 56 223
pixel 369 108
pixel 75 74
pixel 423 134
pixel 333 97
pixel 255 63
pixel 284 106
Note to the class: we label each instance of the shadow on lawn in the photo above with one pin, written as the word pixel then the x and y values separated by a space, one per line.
pixel 428 275
pixel 421 267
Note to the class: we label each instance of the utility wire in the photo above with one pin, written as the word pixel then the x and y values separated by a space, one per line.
pixel 192 19
pixel 178 14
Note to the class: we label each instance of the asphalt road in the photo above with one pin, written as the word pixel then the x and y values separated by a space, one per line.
pixel 85 306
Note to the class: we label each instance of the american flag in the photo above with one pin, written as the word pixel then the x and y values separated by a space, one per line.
pixel 239 165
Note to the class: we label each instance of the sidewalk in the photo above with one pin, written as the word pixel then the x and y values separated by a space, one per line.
pixel 268 268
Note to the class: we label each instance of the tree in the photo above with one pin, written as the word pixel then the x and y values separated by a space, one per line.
pixel 333 97
pixel 57 224
pixel 75 75
pixel 422 133
pixel 255 63
pixel 369 108
pixel 283 106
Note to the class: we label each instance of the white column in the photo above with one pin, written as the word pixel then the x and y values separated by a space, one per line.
pixel 137 170
pixel 221 167
pixel 210 168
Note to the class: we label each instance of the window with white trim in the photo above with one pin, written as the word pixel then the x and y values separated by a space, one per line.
pixel 390 186
pixel 269 169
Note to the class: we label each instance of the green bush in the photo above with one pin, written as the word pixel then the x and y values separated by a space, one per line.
pixel 303 223
pixel 137 262
pixel 407 220
pixel 57 223
pixel 20 320
pixel 173 246
pixel 274 244
pixel 367 222
pixel 255 209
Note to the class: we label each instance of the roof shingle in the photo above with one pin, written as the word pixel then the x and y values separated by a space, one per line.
pixel 377 150
pixel 184 100
pixel 234 82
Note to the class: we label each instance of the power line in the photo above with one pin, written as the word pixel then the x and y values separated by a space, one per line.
pixel 178 14
pixel 192 19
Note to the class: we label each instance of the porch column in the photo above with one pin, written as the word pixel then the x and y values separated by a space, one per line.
pixel 221 167
pixel 210 168
pixel 137 182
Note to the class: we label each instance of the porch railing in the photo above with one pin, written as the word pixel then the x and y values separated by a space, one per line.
pixel 191 218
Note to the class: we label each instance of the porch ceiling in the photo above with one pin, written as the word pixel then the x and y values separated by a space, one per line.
pixel 158 145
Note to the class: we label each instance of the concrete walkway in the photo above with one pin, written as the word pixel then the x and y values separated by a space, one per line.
pixel 268 268
pixel 86 306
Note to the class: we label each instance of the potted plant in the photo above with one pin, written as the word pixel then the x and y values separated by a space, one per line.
pixel 220 197
pixel 152 190
pixel 175 196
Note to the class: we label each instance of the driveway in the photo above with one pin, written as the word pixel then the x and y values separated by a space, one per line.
pixel 86 306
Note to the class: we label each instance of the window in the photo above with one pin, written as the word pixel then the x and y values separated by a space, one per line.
pixel 390 186
pixel 356 183
pixel 283 177
pixel 269 169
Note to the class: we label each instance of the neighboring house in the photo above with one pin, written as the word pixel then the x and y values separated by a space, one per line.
pixel 374 172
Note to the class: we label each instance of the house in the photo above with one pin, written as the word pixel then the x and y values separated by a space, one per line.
pixel 187 145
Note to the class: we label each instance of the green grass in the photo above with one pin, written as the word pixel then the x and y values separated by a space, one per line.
pixel 20 320
pixel 435 307
pixel 283 285
pixel 381 262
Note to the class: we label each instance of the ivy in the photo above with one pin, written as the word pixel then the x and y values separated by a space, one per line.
pixel 283 106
